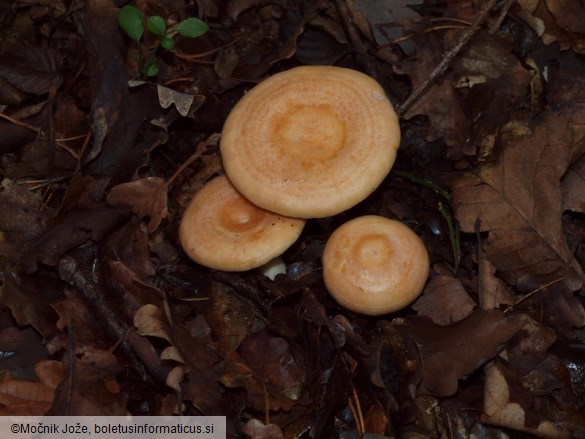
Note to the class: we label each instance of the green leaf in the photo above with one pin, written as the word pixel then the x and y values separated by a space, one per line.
pixel 130 20
pixel 167 43
pixel 157 25
pixel 192 27
pixel 152 70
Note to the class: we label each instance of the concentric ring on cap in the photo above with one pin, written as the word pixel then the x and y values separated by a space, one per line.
pixel 221 229
pixel 310 142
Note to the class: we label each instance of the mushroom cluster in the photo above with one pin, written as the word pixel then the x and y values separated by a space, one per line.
pixel 309 142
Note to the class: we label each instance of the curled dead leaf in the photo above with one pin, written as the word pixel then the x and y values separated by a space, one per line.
pixel 28 397
pixel 452 352
pixel 150 321
pixel 147 197
pixel 500 409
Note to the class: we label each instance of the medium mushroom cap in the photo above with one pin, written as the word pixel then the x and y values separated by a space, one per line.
pixel 221 229
pixel 374 265
pixel 310 142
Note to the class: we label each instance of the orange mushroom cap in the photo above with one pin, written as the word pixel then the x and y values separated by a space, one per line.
pixel 310 142
pixel 221 229
pixel 374 265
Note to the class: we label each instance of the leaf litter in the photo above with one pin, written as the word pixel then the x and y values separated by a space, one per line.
pixel 103 313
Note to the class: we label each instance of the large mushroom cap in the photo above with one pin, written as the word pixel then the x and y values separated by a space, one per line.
pixel 310 142
pixel 375 265
pixel 221 229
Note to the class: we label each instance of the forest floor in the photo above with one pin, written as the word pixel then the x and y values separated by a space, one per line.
pixel 107 133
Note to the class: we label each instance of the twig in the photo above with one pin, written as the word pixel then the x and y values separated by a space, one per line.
pixel 355 416
pixel 137 348
pixel 356 411
pixel 197 56
pixel 19 123
pixel 494 28
pixel 199 150
pixel 454 235
pixel 426 31
pixel 448 19
pixel 266 405
pixel 71 366
pixel 38 131
pixel 533 292
pixel 451 53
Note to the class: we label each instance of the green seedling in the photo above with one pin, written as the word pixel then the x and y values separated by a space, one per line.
pixel 452 224
pixel 132 22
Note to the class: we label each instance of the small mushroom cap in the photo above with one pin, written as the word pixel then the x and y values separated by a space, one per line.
pixel 310 142
pixel 374 265
pixel 221 229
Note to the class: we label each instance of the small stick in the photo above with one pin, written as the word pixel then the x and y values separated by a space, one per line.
pixel 451 53
pixel 355 416
pixel 199 150
pixel 494 28
pixel 139 349
pixel 359 411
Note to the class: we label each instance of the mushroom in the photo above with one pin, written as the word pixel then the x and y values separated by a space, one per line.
pixel 374 265
pixel 310 142
pixel 221 229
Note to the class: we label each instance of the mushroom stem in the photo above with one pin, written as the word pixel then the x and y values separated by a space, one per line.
pixel 273 268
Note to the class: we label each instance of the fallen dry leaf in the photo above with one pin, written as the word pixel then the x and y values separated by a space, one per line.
pixel 151 321
pixel 230 315
pixel 573 187
pixel 495 77
pixel 502 408
pixel 147 197
pixel 196 344
pixel 75 314
pixel 175 378
pixel 444 300
pixel 28 398
pixel 29 297
pixel 134 292
pixel 20 348
pixel 495 83
pixel 271 358
pixel 384 19
pixel 441 103
pixel 518 197
pixel 20 216
pixel 492 290
pixel 558 21
pixel 90 386
pixel 522 384
pixel 452 352
pixel 72 230
pixel 33 70
pixel 129 245
pixel 376 419
pixel 260 393
pixel 555 305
